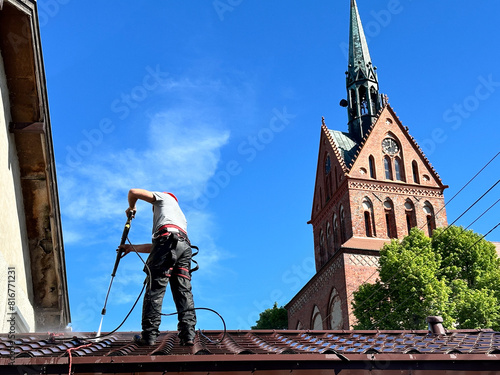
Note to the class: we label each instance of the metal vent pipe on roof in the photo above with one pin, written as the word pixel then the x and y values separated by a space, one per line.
pixel 436 325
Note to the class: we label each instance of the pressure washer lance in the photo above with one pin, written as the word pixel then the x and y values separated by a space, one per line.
pixel 118 257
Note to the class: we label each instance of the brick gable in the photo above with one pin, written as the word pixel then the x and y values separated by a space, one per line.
pixel 388 125
pixel 356 209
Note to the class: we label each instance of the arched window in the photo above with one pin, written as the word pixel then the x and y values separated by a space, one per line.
pixel 398 167
pixel 316 320
pixel 371 165
pixel 416 176
pixel 411 217
pixel 328 178
pixel 354 104
pixel 363 100
pixel 374 100
pixel 321 248
pixel 342 226
pixel 336 320
pixel 388 168
pixel 368 217
pixel 390 219
pixel 429 217
pixel 299 326
pixel 336 234
pixel 328 235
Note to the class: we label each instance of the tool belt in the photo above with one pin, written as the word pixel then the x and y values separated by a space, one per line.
pixel 178 234
pixel 168 229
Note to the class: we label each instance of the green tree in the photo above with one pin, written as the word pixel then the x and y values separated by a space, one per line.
pixel 275 318
pixel 455 274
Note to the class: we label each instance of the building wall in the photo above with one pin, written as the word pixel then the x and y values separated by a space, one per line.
pixel 14 250
pixel 331 290
pixel 359 269
pixel 399 197
pixel 317 295
pixel 428 188
pixel 345 261
pixel 328 200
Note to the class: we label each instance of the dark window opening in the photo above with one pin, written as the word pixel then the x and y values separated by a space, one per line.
pixel 408 222
pixel 388 168
pixel 430 224
pixel 411 218
pixel 354 105
pixel 374 100
pixel 363 100
pixel 399 169
pixel 390 220
pixel 371 163
pixel 335 233
pixel 430 219
pixel 388 224
pixel 342 227
pixel 416 177
pixel 368 224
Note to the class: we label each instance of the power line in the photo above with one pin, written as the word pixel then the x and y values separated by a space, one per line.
pixel 472 179
pixel 481 197
pixel 440 234
pixel 456 194
pixel 450 241
pixel 407 298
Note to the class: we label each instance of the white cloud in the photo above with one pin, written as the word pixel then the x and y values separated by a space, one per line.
pixel 181 155
pixel 72 237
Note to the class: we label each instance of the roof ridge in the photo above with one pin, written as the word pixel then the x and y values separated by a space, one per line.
pixel 334 145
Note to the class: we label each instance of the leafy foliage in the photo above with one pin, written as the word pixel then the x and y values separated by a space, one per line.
pixel 275 318
pixel 454 274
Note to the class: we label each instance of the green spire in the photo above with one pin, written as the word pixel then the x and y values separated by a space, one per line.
pixel 359 55
pixel 364 100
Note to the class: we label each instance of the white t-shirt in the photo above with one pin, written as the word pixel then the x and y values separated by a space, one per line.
pixel 166 210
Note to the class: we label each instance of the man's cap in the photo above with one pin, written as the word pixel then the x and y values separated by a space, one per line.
pixel 172 195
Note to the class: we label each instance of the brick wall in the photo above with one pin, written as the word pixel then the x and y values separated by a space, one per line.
pixel 342 269
pixel 341 276
pixel 317 292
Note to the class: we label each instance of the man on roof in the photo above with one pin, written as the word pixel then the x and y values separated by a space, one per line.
pixel 169 260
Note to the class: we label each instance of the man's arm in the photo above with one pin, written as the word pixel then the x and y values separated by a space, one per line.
pixel 134 195
pixel 144 248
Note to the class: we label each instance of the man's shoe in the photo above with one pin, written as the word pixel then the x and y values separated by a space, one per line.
pixel 141 341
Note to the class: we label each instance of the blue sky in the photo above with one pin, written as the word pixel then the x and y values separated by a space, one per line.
pixel 221 103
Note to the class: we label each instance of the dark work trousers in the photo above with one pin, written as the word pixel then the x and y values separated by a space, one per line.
pixel 169 260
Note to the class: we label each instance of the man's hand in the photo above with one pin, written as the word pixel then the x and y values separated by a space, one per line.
pixel 142 248
pixel 124 249
pixel 130 210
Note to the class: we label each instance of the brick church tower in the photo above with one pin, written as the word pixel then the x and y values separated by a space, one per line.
pixel 373 184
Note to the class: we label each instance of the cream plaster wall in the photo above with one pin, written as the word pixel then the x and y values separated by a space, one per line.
pixel 14 250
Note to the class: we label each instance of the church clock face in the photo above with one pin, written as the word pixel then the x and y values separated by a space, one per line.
pixel 389 146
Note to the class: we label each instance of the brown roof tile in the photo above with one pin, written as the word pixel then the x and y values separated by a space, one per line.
pixel 257 342
pixel 240 348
